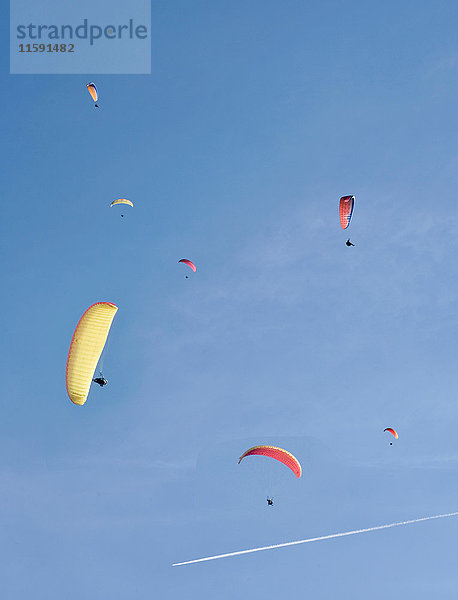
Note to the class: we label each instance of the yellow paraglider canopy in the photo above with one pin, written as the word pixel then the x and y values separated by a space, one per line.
pixel 86 347
pixel 122 201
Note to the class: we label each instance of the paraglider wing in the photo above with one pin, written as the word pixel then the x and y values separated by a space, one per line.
pixel 93 91
pixel 278 454
pixel 86 347
pixel 189 263
pixel 122 201
pixel 392 431
pixel 346 210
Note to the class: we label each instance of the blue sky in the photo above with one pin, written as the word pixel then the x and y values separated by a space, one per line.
pixel 256 118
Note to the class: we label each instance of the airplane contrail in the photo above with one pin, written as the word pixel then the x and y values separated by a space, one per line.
pixel 316 539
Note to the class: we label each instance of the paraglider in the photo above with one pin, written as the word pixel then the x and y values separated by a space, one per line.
pixel 346 210
pixel 122 201
pixel 86 347
pixel 393 432
pixel 278 454
pixel 348 243
pixel 94 93
pixel 190 264
pixel 100 380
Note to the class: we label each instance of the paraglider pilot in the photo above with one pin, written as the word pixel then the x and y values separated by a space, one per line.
pixel 100 380
pixel 270 501
pixel 348 243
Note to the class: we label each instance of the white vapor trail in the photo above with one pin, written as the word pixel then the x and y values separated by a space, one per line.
pixel 316 539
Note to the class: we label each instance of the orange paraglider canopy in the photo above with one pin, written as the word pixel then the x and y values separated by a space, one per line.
pixel 392 431
pixel 93 91
pixel 346 210
pixel 278 454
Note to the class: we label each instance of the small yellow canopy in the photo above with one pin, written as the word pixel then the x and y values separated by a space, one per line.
pixel 122 201
pixel 86 347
